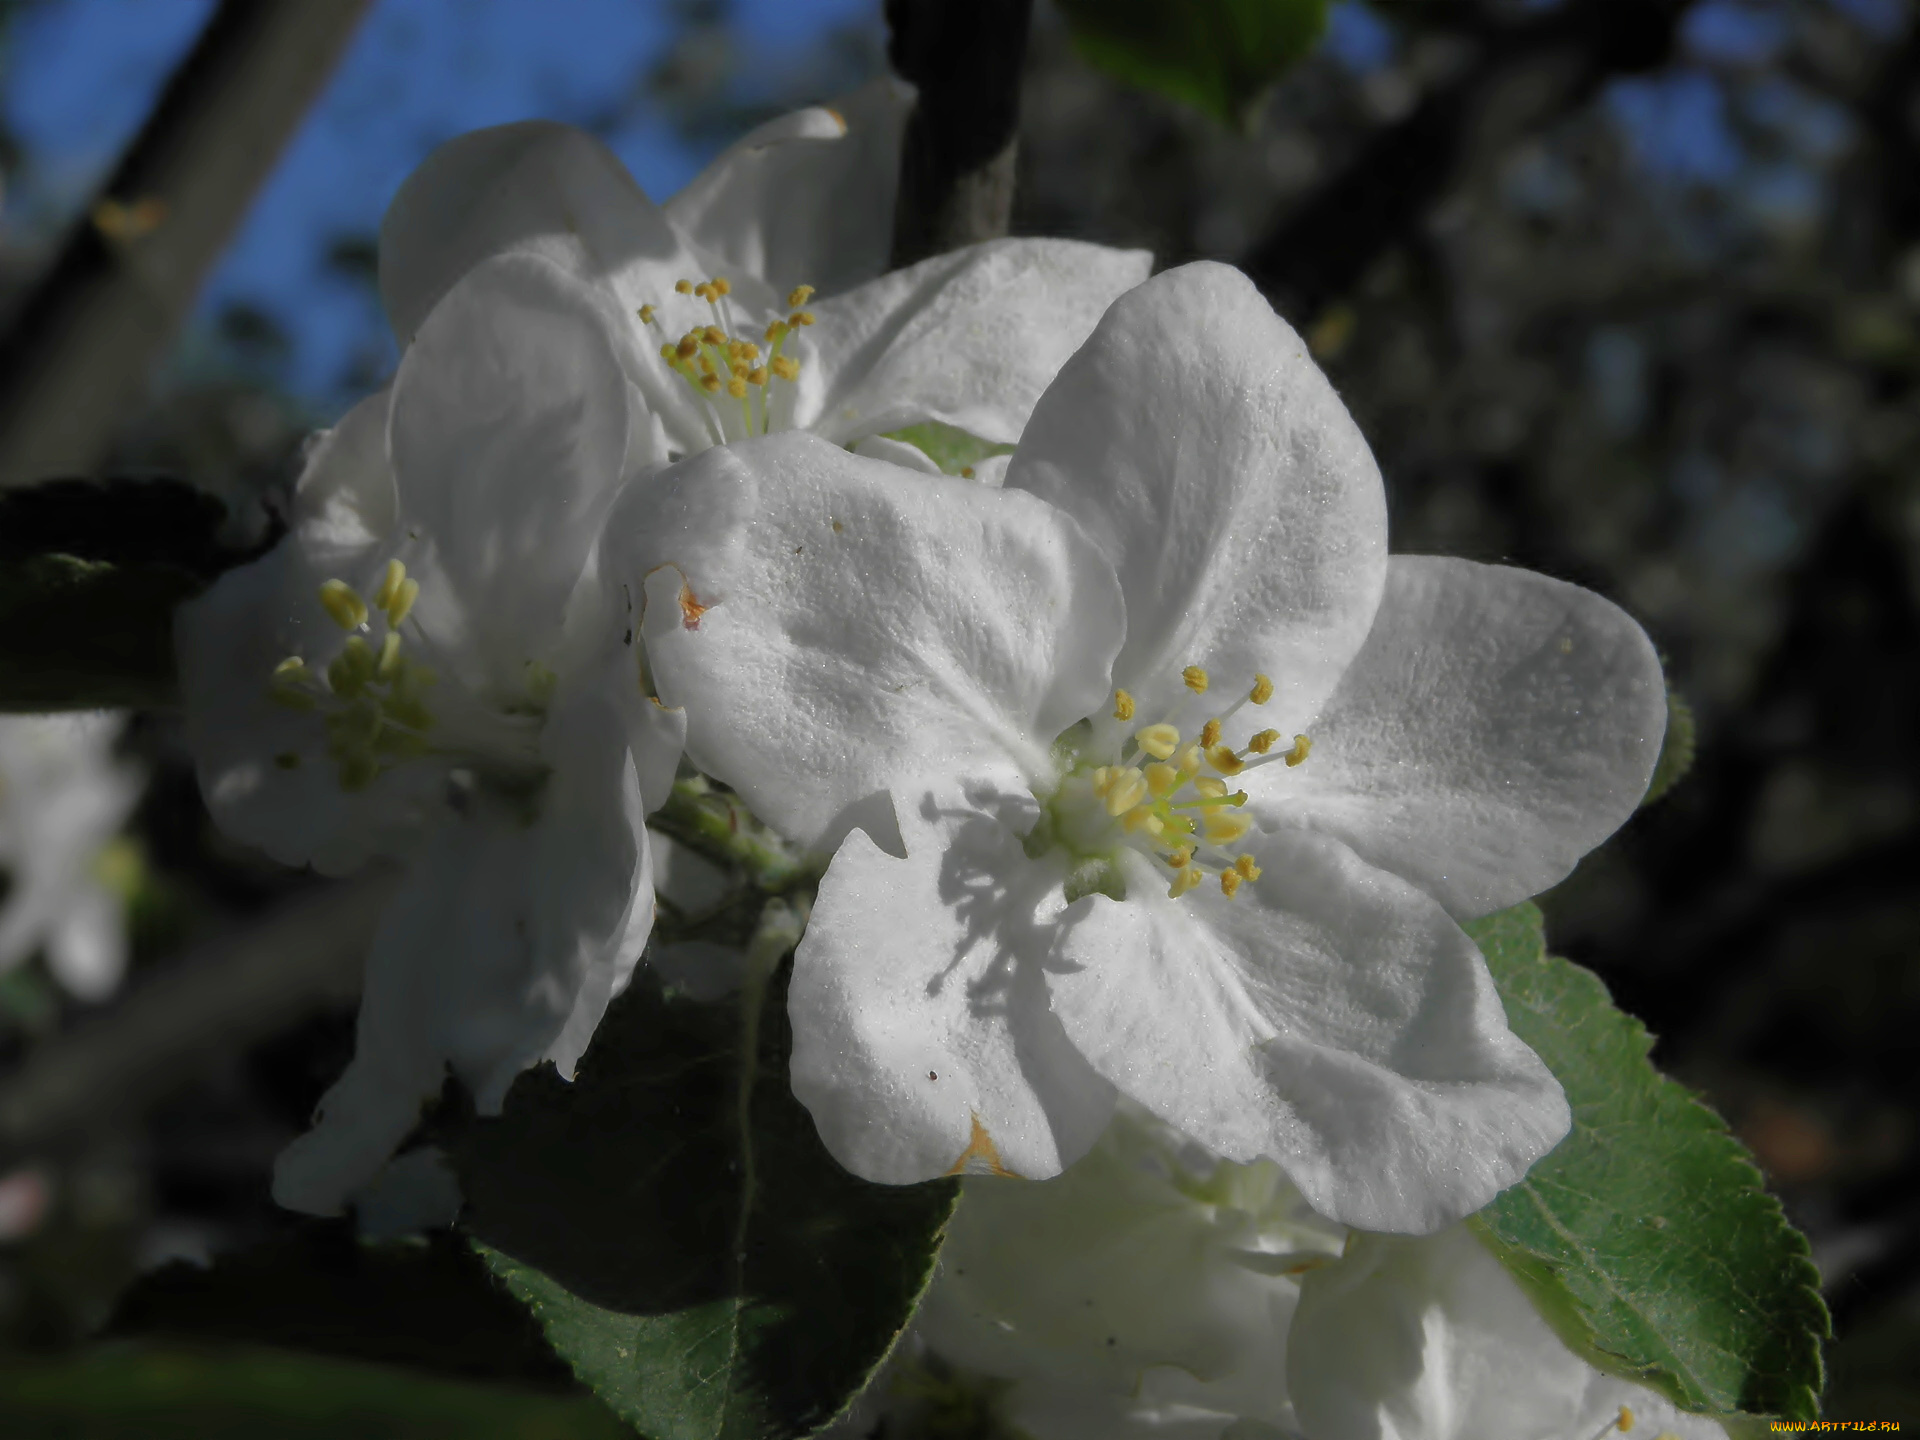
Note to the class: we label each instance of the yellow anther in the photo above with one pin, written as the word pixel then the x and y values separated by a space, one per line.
pixel 799 296
pixel 757 375
pixel 1126 790
pixel 800 317
pixel 737 387
pixel 1263 742
pixel 786 367
pixel 710 383
pixel 1122 705
pixel 1262 690
pixel 338 599
pixel 389 660
pixel 1185 881
pixel 1162 780
pixel 1246 869
pixel 683 287
pixel 1102 779
pixel 403 599
pixel 389 584
pixel 1229 882
pixel 776 332
pixel 1225 828
pixel 669 353
pixel 1195 678
pixel 1188 762
pixel 1159 741
pixel 291 668
pixel 1178 858
pixel 1625 1422
pixel 704 290
pixel 646 314
pixel 738 369
pixel 1141 818
pixel 1209 734
pixel 688 347
pixel 1211 786
pixel 706 366
pixel 1225 761
pixel 720 285
pixel 1301 746
pixel 714 335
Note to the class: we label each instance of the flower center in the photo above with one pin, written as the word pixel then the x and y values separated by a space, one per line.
pixel 371 696
pixel 1167 796
pixel 724 367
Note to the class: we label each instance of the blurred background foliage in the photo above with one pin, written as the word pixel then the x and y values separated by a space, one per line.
pixel 1627 291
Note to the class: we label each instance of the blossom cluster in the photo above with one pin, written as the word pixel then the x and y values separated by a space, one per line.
pixel 1154 788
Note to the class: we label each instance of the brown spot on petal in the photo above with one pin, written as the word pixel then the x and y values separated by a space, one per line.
pixel 690 609
pixel 981 1149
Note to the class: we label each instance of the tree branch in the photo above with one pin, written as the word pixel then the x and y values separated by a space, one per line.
pixel 1525 77
pixel 957 164
pixel 83 343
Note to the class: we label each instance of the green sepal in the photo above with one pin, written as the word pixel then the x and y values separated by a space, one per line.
pixel 1677 748
pixel 1216 55
pixel 1646 1238
pixel 948 446
pixel 685 1240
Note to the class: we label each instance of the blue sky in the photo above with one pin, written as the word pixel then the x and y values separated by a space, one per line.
pixel 81 74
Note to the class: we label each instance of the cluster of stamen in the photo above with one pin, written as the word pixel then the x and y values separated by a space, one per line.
pixel 1170 794
pixel 372 696
pixel 715 360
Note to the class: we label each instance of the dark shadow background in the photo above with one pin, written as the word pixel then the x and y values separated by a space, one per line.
pixel 1626 291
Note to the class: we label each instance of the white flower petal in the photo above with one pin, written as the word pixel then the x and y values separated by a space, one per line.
pixel 509 433
pixel 1431 1339
pixel 838 629
pixel 1216 468
pixel 921 1034
pixel 1496 726
pixel 503 945
pixel 345 499
pixel 1330 1017
pixel 87 948
pixel 593 898
pixel 535 187
pixel 969 339
pixel 548 190
pixel 806 198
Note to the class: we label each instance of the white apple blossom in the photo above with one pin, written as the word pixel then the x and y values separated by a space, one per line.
pixel 1152 1290
pixel 426 668
pixel 63 798
pixel 711 297
pixel 1001 706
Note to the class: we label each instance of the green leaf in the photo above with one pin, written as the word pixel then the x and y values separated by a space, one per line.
pixel 1217 55
pixel 126 1392
pixel 1676 748
pixel 951 448
pixel 1646 1237
pixel 684 1238
pixel 90 573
